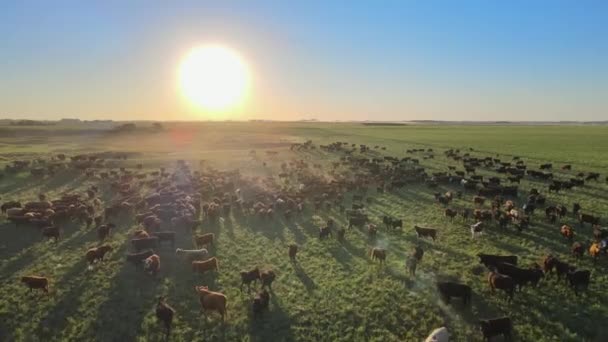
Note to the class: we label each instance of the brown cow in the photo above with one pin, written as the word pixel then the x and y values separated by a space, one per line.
pixel 378 254
pixel 36 282
pixel 426 232
pixel 567 232
pixel 152 264
pixel 205 239
pixel 247 277
pixel 479 200
pixel 578 249
pixel 97 253
pixel 502 282
pixel 213 301
pixel 207 265
pixel 450 213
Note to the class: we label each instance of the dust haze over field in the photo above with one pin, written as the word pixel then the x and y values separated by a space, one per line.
pixel 303 171
pixel 333 291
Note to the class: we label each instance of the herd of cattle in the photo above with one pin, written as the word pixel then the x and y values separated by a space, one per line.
pixel 167 203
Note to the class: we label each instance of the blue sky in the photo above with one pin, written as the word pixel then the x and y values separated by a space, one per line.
pixel 338 60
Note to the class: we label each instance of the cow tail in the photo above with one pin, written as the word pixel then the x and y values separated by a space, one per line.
pixel 217 265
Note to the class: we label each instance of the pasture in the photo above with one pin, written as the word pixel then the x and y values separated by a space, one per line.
pixel 334 291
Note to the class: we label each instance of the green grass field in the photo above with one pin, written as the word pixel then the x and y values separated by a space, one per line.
pixel 334 292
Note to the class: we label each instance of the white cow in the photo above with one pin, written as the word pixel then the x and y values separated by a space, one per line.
pixel 439 335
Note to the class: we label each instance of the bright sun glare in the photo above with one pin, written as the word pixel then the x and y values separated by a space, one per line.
pixel 214 78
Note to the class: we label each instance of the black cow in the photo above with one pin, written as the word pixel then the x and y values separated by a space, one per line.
pixel 578 278
pixel 521 276
pixel 490 260
pixel 496 326
pixel 450 289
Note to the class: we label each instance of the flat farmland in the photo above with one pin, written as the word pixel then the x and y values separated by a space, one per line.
pixel 333 291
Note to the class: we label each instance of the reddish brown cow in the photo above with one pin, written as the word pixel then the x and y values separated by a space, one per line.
pixel 97 253
pixel 36 282
pixel 204 266
pixel 212 301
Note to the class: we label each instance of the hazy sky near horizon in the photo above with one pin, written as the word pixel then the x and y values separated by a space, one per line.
pixel 328 60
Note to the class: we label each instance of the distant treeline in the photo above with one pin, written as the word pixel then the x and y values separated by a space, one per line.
pixel 31 123
pixel 383 124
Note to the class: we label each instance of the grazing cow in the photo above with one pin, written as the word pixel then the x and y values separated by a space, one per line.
pixel 204 240
pixel 51 232
pixel 164 314
pixel 207 265
pixel 450 213
pixel 193 254
pixel 520 276
pixel 599 233
pixel 372 230
pixel 391 222
pixel 502 282
pixel 567 232
pixel 490 260
pixel 450 289
pixel 479 200
pixel 586 218
pixel 138 258
pixel 378 254
pixel 496 326
pixel 36 282
pixel 165 236
pixel 104 231
pixel 267 277
pixel 476 229
pixel 152 264
pixel 594 251
pixel 578 278
pixel 97 253
pixel 260 302
pixel 247 277
pixel 426 232
pixel 561 268
pixel 578 249
pixel 439 335
pixel 212 301
pixel 145 243
pixel 324 232
pixel 293 250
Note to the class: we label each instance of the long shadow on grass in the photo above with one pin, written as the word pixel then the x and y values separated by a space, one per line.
pixel 275 322
pixel 55 320
pixel 300 272
pixel 132 294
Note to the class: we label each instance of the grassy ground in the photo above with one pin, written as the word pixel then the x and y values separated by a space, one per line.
pixel 334 292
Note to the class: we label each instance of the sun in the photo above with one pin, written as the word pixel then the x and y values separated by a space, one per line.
pixel 214 78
